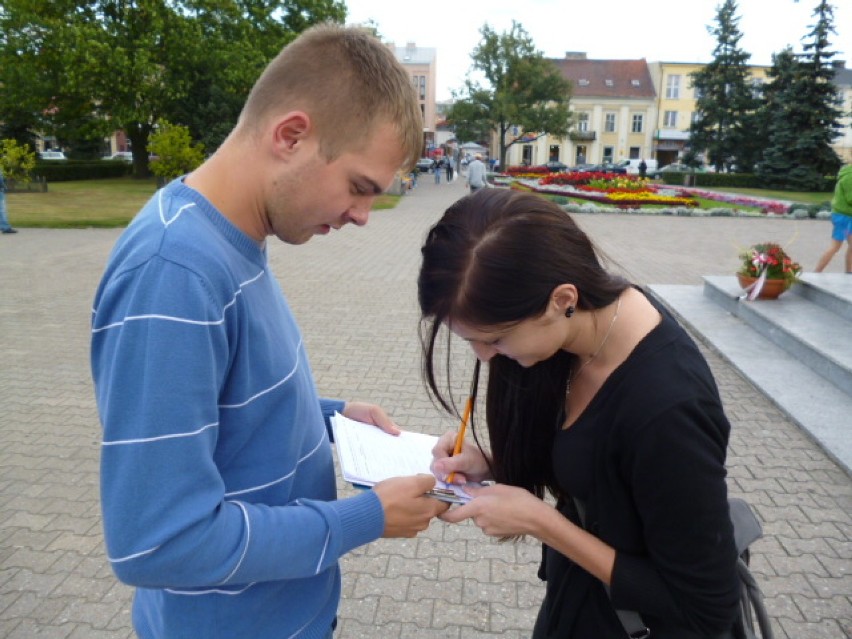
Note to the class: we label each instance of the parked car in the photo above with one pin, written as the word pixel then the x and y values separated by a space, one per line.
pixel 124 156
pixel 581 168
pixel 631 166
pixel 424 165
pixel 52 155
pixel 674 167
pixel 555 166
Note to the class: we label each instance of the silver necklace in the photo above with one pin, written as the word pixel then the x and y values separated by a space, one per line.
pixel 573 375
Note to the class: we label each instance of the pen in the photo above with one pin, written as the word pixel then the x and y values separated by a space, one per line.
pixel 468 409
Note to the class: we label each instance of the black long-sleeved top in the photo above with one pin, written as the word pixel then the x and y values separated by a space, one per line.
pixel 653 440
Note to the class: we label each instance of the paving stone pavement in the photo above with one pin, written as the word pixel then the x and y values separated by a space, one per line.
pixel 354 295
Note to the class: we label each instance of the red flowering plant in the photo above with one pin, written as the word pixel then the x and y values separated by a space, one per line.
pixel 770 259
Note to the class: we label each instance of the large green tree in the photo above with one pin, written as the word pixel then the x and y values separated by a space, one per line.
pixel 778 119
pixel 521 89
pixel 801 112
pixel 131 62
pixel 725 107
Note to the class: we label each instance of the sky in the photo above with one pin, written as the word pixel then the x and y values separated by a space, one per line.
pixel 657 30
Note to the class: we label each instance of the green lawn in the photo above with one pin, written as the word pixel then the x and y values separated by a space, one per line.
pixel 792 196
pixel 96 203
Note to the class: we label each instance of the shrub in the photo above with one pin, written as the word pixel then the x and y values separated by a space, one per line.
pixel 16 161
pixel 176 153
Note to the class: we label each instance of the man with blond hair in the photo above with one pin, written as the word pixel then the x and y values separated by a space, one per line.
pixel 217 480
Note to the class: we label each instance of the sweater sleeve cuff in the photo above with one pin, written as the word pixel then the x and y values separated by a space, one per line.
pixel 362 519
pixel 329 407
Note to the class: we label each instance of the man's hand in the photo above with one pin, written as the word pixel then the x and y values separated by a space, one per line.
pixel 370 414
pixel 408 510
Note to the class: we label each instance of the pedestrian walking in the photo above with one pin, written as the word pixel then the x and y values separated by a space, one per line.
pixel 5 227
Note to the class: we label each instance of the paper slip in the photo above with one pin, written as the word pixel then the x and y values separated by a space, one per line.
pixel 368 455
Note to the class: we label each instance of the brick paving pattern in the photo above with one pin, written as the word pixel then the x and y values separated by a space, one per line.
pixel 354 295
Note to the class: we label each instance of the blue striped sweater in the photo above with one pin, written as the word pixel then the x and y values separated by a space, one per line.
pixel 217 480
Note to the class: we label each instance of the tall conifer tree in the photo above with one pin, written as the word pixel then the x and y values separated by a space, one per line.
pixel 802 112
pixel 724 125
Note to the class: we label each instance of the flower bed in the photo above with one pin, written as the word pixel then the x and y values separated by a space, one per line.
pixel 603 188
pixel 769 207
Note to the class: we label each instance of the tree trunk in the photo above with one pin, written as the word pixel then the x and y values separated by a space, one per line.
pixel 138 134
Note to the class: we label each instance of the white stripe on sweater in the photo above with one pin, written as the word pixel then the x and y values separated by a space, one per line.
pixel 184 320
pixel 280 479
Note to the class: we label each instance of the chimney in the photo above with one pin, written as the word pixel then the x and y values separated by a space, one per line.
pixel 575 55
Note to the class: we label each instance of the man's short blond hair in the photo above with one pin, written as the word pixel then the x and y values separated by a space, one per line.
pixel 347 81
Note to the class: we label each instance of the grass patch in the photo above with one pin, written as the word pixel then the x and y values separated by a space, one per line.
pixel 792 196
pixel 108 203
pixel 87 203
pixel 386 201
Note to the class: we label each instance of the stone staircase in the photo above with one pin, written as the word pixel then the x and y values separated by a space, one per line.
pixel 797 349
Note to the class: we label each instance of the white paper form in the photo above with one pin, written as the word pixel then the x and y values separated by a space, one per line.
pixel 368 455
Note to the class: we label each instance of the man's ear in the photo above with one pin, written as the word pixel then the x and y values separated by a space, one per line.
pixel 290 131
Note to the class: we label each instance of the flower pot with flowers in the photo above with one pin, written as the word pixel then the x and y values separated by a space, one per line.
pixel 766 271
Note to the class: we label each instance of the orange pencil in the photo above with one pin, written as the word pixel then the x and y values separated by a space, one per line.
pixel 468 409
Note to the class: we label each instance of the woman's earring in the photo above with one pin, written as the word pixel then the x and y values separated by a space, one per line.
pixel 569 311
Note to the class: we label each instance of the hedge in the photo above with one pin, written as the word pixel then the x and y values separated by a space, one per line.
pixel 68 170
pixel 741 180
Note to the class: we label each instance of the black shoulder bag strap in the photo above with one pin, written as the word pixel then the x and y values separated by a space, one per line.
pixel 630 619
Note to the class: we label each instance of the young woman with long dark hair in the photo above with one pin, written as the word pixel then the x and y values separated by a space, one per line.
pixel 595 395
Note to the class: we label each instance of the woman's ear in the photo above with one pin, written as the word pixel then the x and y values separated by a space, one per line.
pixel 564 297
pixel 290 131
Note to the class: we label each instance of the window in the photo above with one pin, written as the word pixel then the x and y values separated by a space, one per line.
pixel 695 116
pixel 608 82
pixel 638 123
pixel 580 154
pixel 698 93
pixel 526 153
pixel 609 122
pixel 670 119
pixel 634 152
pixel 635 83
pixel 419 82
pixel 608 153
pixel 757 88
pixel 553 153
pixel 583 82
pixel 673 87
pixel 583 122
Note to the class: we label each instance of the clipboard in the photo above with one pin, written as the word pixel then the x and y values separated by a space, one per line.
pixel 368 455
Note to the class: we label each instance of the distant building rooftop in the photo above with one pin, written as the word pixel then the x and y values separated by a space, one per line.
pixel 412 54
pixel 606 78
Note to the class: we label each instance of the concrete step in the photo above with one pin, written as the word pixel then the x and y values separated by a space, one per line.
pixel 798 323
pixel 830 290
pixel 822 409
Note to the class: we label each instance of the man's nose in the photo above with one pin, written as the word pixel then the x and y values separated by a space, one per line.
pixel 360 213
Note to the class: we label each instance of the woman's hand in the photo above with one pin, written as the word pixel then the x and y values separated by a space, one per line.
pixel 370 414
pixel 501 511
pixel 469 465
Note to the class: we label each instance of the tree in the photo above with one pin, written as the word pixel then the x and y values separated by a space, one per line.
pixel 778 121
pixel 523 89
pixel 132 62
pixel 817 96
pixel 239 38
pixel 725 107
pixel 801 113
